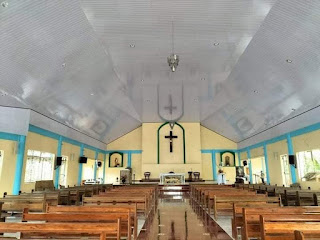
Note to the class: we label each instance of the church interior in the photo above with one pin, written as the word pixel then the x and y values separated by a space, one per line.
pixel 144 119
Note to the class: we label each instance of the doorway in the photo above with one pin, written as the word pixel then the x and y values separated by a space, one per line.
pixel 285 170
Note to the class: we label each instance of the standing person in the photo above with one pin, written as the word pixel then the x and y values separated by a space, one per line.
pixel 262 176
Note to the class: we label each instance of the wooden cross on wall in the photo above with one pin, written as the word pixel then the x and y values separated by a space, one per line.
pixel 171 137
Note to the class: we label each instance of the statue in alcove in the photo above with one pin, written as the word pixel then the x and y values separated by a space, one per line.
pixel 227 161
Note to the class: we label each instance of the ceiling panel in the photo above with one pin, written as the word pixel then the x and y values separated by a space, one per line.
pixel 72 61
pixel 264 89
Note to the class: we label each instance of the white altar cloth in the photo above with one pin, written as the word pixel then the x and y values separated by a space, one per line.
pixel 172 178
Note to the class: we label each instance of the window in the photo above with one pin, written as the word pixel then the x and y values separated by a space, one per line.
pixel 39 166
pixel 308 163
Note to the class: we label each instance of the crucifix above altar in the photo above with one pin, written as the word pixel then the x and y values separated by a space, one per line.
pixel 171 137
pixel 171 144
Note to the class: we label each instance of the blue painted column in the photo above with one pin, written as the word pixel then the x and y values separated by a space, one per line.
pixel 266 160
pixel 250 164
pixel 80 166
pixel 291 152
pixel 214 165
pixel 95 164
pixel 129 159
pixel 104 167
pixel 239 160
pixel 19 165
pixel 57 171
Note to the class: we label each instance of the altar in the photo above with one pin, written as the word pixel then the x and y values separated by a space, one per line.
pixel 172 178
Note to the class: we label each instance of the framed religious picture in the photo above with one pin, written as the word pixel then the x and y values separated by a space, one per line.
pixel 115 159
pixel 240 172
pixel 227 159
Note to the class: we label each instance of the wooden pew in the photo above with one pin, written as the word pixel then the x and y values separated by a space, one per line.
pixel 52 198
pixel 149 192
pixel 125 218
pixel 306 198
pixel 251 217
pixel 200 192
pixel 237 216
pixel 316 197
pixel 209 197
pixel 65 229
pixel 224 204
pixel 17 204
pixel 99 209
pixel 119 201
pixel 314 235
pixel 278 227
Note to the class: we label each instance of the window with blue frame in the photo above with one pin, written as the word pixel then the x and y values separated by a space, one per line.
pixel 309 165
pixel 39 166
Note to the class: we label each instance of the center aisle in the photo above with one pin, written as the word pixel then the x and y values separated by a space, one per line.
pixel 176 220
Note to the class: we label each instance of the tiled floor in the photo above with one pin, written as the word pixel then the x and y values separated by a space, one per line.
pixel 176 220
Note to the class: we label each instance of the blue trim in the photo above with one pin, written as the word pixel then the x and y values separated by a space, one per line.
pixel 43 132
pixel 104 167
pixel 95 164
pixel 291 152
pixel 295 133
pixel 206 151
pixel 305 130
pixel 56 136
pixel 19 165
pixel 124 151
pixel 214 165
pixel 57 171
pixel 9 136
pixel 129 160
pixel 239 158
pixel 266 159
pixel 218 150
pixel 250 165
pixel 80 165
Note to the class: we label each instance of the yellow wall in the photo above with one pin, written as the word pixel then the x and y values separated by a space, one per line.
pixel 171 161
pixel 145 138
pixel 73 154
pixel 130 141
pixel 256 152
pixel 212 140
pixel 89 153
pixel 7 166
pixel 307 141
pixel 274 151
pixel 40 143
pixel 206 172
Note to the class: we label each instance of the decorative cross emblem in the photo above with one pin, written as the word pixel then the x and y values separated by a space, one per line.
pixel 170 107
pixel 171 137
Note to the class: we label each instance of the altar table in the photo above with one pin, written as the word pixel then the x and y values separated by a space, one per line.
pixel 172 178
